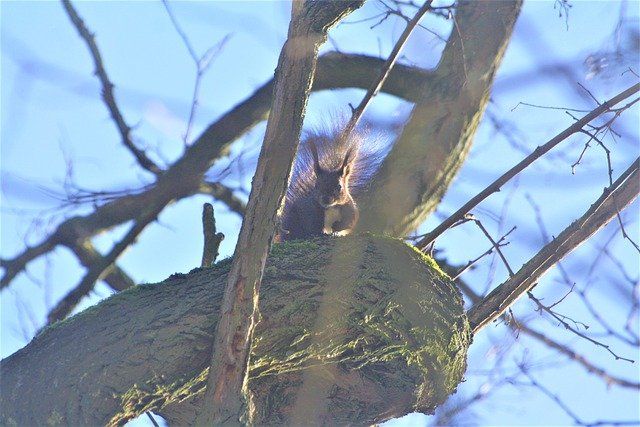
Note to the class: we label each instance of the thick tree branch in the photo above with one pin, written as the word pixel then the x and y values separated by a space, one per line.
pixel 225 397
pixel 100 267
pixel 334 71
pixel 397 348
pixel 615 198
pixel 434 143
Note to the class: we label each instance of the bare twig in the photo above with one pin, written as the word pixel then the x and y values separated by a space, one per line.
pixel 567 326
pixel 202 63
pixel 547 107
pixel 107 90
pixel 538 152
pixel 495 245
pixel 615 197
pixel 581 360
pixel 582 292
pixel 576 419
pixel 576 357
pixel 386 69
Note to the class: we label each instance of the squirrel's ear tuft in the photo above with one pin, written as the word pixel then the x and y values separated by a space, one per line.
pixel 314 154
pixel 349 159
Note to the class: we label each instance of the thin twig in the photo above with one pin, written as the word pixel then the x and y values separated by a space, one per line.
pixel 571 284
pixel 202 63
pixel 386 69
pixel 107 90
pixel 495 245
pixel 568 410
pixel 574 330
pixel 581 360
pixel 615 197
pixel 518 326
pixel 537 153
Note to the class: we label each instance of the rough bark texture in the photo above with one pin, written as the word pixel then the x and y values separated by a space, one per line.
pixel 353 330
pixel 226 391
pixel 437 138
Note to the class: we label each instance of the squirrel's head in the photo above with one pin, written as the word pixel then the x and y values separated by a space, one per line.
pixel 332 186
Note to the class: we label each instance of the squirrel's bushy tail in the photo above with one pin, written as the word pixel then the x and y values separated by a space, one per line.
pixel 332 150
pixel 347 164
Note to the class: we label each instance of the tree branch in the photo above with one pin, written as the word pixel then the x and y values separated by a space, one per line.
pixel 211 239
pixel 578 358
pixel 434 143
pixel 374 89
pixel 225 195
pixel 517 326
pixel 334 71
pixel 225 396
pixel 107 90
pixel 615 198
pixel 149 348
pixel 88 255
pixel 98 268
pixel 537 153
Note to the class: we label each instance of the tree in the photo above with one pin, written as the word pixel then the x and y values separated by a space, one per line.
pixel 431 147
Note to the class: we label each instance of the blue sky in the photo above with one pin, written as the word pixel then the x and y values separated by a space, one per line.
pixel 54 127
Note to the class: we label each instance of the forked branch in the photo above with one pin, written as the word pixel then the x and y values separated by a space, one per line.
pixel 538 152
pixel 614 199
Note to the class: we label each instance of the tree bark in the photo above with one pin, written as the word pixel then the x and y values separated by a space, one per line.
pixel 436 140
pixel 353 330
pixel 226 387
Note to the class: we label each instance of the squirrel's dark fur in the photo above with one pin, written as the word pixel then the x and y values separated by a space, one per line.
pixel 328 175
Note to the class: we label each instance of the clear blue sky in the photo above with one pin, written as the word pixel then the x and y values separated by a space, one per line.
pixel 53 122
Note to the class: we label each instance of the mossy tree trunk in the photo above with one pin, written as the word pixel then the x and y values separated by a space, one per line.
pixel 352 330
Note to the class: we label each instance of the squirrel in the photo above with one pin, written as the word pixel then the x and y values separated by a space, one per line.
pixel 329 172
